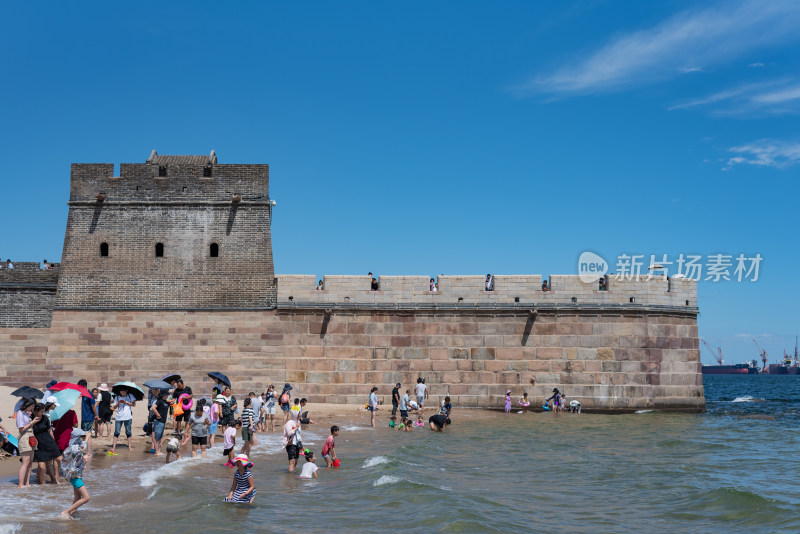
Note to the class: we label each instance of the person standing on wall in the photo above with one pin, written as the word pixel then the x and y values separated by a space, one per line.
pixel 89 415
pixel 395 398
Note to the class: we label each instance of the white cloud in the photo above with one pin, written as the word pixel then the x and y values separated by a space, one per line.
pixel 756 65
pixel 765 153
pixel 770 97
pixel 685 42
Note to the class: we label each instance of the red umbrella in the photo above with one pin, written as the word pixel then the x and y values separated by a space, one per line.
pixel 66 385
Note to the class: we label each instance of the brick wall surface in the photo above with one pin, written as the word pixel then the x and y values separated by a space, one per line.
pixel 27 294
pixel 185 212
pixel 609 361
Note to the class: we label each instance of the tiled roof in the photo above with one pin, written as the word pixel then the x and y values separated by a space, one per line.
pixel 182 160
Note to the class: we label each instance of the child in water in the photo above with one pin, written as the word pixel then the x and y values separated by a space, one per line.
pixel 329 447
pixel 309 468
pixel 72 466
pixel 524 402
pixel 173 447
pixel 508 402
pixel 392 420
pixel 243 489
pixel 229 442
pixel 419 422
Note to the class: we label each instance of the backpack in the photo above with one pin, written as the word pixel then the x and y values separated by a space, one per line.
pixel 285 398
pixel 226 410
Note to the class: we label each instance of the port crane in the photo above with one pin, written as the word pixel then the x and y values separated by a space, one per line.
pixel 717 355
pixel 763 355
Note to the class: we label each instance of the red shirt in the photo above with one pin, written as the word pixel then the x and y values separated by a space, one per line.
pixel 63 429
pixel 328 445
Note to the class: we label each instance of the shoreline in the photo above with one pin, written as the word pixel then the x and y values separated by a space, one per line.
pixel 323 415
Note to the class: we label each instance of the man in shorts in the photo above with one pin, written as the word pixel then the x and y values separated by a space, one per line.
pixel 438 422
pixel 182 419
pixel 160 411
pixel 124 405
pixel 422 394
pixel 88 417
pixel 404 404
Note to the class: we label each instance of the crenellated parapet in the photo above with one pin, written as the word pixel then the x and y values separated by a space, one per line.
pixel 509 290
pixel 29 274
pixel 171 180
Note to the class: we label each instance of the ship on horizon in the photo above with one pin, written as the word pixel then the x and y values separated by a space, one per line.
pixel 787 366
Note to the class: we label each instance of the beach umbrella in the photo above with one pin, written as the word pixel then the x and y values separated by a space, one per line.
pixel 66 400
pixel 68 385
pixel 132 388
pixel 222 378
pixel 27 391
pixel 157 384
pixel 170 377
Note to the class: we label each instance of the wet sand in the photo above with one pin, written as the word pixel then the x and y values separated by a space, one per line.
pixel 323 415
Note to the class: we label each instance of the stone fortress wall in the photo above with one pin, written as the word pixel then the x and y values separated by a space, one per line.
pixel 134 315
pixel 186 205
pixel 27 295
pixel 465 290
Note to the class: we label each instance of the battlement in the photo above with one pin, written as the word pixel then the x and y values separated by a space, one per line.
pixel 28 274
pixel 169 179
pixel 471 290
pixel 175 232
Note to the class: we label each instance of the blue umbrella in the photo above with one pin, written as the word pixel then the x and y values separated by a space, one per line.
pixel 66 399
pixel 132 388
pixel 222 378
pixel 157 384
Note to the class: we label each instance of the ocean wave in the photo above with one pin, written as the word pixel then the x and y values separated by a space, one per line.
pixel 386 479
pixel 375 460
pixel 351 428
pixel 149 478
pixel 643 411
pixel 747 398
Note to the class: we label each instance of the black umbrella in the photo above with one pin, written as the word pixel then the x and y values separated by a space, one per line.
pixel 170 377
pixel 157 384
pixel 222 378
pixel 27 391
pixel 130 387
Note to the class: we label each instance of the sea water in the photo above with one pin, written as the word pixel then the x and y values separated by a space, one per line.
pixel 731 469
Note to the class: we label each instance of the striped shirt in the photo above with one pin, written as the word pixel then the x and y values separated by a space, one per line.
pixel 247 416
pixel 242 485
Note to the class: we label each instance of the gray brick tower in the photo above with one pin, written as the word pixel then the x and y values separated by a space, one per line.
pixel 176 232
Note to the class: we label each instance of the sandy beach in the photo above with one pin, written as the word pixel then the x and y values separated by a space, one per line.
pixel 323 415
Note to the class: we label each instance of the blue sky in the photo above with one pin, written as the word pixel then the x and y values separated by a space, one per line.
pixel 451 137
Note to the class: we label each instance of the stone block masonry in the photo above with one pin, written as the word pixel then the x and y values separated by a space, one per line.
pixel 169 268
pixel 612 362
